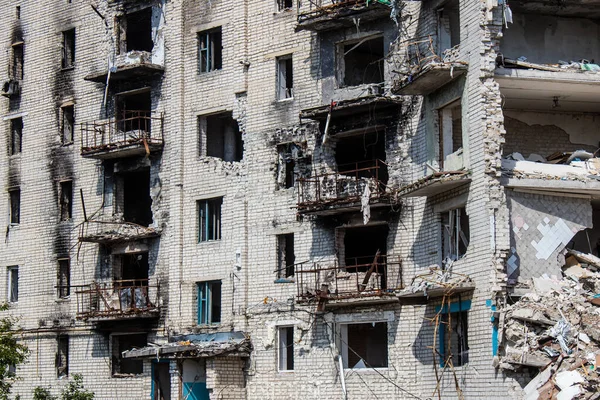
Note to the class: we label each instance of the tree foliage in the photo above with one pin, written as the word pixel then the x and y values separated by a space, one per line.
pixel 12 353
pixel 73 391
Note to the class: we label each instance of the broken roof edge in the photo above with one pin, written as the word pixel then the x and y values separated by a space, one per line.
pixel 320 112
pixel 435 183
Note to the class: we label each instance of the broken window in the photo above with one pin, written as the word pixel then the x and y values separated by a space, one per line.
pixel 67 124
pixel 451 143
pixel 364 345
pixel 209 302
pixel 286 348
pixel 455 234
pixel 127 366
pixel 209 219
pixel 62 356
pixel 133 196
pixel 453 329
pixel 135 31
pixel 448 26
pixel 16 135
pixel 131 273
pixel 68 48
pixel 15 205
pixel 210 50
pixel 362 155
pixel 285 77
pixel 64 278
pixel 220 136
pixel 13 284
pixel 133 112
pixel 285 255
pixel 17 61
pixel 362 62
pixel 66 200
pixel 284 5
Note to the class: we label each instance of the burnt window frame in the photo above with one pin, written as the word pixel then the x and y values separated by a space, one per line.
pixel 209 217
pixel 63 278
pixel 17 61
pixel 16 136
pixel 116 361
pixel 65 195
pixel 67 120
pixel 62 348
pixel 342 52
pixel 210 51
pixel 285 261
pixel 68 49
pixel 284 5
pixel 284 72
pixel 14 205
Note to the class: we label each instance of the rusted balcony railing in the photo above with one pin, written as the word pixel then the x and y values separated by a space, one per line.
pixel 319 8
pixel 130 130
pixel 344 187
pixel 367 276
pixel 96 231
pixel 117 299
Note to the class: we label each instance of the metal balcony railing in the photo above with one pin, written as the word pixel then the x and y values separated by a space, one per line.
pixel 130 128
pixel 117 299
pixel 319 8
pixel 346 186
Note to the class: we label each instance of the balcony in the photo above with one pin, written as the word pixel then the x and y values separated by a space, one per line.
pixel 356 185
pixel 336 14
pixel 117 300
pixel 131 133
pixel 113 232
pixel 363 281
pixel 422 71
pixel 436 183
pixel 133 64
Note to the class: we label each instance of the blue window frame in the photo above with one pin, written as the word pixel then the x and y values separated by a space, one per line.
pixel 453 333
pixel 209 302
pixel 209 219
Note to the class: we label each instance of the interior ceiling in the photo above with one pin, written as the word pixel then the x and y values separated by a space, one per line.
pixel 562 8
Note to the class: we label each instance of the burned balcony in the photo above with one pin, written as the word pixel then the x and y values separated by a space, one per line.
pixel 119 299
pixel 356 185
pixel 133 64
pixel 112 232
pixel 130 133
pixel 322 15
pixel 366 281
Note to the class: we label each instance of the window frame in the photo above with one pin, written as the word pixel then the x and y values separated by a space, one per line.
pixel 115 370
pixel 210 52
pixel 14 198
pixel 280 5
pixel 285 270
pixel 68 49
pixel 17 67
pixel 62 340
pixel 344 346
pixel 285 360
pixel 341 67
pixel 453 237
pixel 16 132
pixel 67 119
pixel 211 208
pixel 65 206
pixel 457 307
pixel 11 295
pixel 63 290
pixel 205 307
pixel 283 78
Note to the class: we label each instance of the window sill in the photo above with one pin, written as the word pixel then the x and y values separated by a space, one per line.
pixel 208 242
pixel 63 300
pixel 124 376
pixel 284 280
pixel 66 144
pixel 286 100
pixel 284 12
pixel 69 68
pixel 367 370
pixel 208 73
pixel 286 372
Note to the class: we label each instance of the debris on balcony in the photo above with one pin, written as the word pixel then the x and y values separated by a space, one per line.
pixel 560 66
pixel 197 346
pixel 322 16
pixel 435 183
pixel 437 282
pixel 555 328
pixel 108 232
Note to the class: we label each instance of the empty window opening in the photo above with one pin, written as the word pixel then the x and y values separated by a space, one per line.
pixel 62 356
pixel 127 366
pixel 66 200
pixel 451 143
pixel 133 196
pixel 18 12
pixel 161 381
pixel 64 278
pixel 364 345
pixel 455 234
pixel 135 31
pixel 131 273
pixel 210 49
pixel 17 62
pixel 16 135
pixel 209 302
pixel 453 337
pixel 220 137
pixel 133 112
pixel 68 48
pixel 363 62
pixel 362 244
pixel 209 219
pixel 285 255
pixel 13 284
pixel 448 26
pixel 362 156
pixel 67 124
pixel 284 5
pixel 289 156
pixel 286 348
pixel 15 205
pixel 285 78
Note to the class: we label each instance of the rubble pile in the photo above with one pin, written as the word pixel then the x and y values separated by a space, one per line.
pixel 579 165
pixel 556 328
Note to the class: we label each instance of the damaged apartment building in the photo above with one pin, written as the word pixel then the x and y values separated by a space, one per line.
pixel 303 199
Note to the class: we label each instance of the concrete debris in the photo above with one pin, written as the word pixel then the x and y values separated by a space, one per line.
pixel 437 282
pixel 555 328
pixel 577 169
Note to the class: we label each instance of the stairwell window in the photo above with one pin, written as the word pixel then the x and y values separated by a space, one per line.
pixel 15 205
pixel 13 284
pixel 67 124
pixel 209 302
pixel 16 136
pixel 285 348
pixel 68 49
pixel 285 78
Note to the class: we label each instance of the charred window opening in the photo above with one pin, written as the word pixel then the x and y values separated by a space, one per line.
pixel 448 26
pixel 127 366
pixel 13 284
pixel 68 48
pixel 67 124
pixel 210 50
pixel 132 269
pixel 66 200
pixel 284 5
pixel 16 68
pixel 453 341
pixel 285 78
pixel 135 31
pixel 290 161
pixel 64 278
pixel 363 246
pixel 362 62
pixel 62 356
pixel 362 155
pixel 364 345
pixel 286 348
pixel 220 137
pixel 133 111
pixel 161 381
pixel 209 302
pixel 455 234
pixel 285 255
pixel 133 196
pixel 18 12
pixel 15 205
pixel 16 135
pixel 209 219
pixel 451 142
